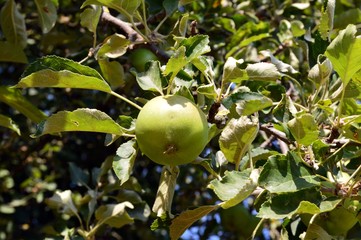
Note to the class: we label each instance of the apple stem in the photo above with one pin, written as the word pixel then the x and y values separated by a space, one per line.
pixel 126 100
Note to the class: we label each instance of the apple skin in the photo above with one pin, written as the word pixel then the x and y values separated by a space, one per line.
pixel 171 130
pixel 139 57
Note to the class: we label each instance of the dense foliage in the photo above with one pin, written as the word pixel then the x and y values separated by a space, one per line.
pixel 279 82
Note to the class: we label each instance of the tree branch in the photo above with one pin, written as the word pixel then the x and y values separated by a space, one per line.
pixel 268 128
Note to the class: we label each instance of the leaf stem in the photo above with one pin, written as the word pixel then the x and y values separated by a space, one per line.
pixel 257 227
pixel 126 100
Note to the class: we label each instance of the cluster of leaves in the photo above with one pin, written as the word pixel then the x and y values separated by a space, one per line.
pixel 280 84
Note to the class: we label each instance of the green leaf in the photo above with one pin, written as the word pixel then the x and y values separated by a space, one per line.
pixel 82 119
pixel 351 16
pixel 327 15
pixel 187 218
pixel 10 52
pixel 78 176
pixel 113 72
pixel 13 24
pixel 59 72
pixel 114 215
pixel 251 102
pixel 286 174
pixel 170 6
pixel 343 52
pixel 47 14
pixel 205 65
pixel 151 79
pixel 16 100
pixel 288 204
pixel 125 7
pixel 304 129
pixel 316 232
pixel 176 62
pixel 297 28
pixel 321 71
pixel 63 202
pixel 90 17
pixel 196 46
pixel 262 71
pixel 56 63
pixel 234 187
pixel 113 46
pixel 8 123
pixel 237 137
pixel 232 71
pixel 124 160
pixel 208 90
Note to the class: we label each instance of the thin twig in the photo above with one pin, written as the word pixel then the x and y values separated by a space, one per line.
pixel 278 134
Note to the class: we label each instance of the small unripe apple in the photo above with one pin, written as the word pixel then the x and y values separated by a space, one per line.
pixel 139 57
pixel 171 130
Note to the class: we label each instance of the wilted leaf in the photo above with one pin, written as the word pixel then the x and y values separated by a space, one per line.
pixel 16 100
pixel 151 79
pixel 90 17
pixel 234 187
pixel 13 24
pixel 343 52
pixel 47 14
pixel 237 137
pixel 124 160
pixel 232 72
pixel 163 201
pixel 187 218
pixel 286 174
pixel 113 46
pixel 304 129
pixel 63 202
pixel 8 123
pixel 82 119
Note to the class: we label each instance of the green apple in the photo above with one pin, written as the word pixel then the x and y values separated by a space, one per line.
pixel 171 130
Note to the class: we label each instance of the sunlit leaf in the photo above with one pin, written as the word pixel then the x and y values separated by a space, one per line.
pixel 262 71
pixel 321 71
pixel 251 102
pixel 304 201
pixel 124 160
pixel 9 123
pixel 59 72
pixel 234 187
pixel 114 215
pixel 343 52
pixel 63 202
pixel 82 119
pixel 208 90
pixel 13 24
pixel 232 72
pixel 187 218
pixel 327 16
pixel 113 46
pixel 151 79
pixel 237 137
pixel 304 129
pixel 47 14
pixel 16 100
pixel 286 174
